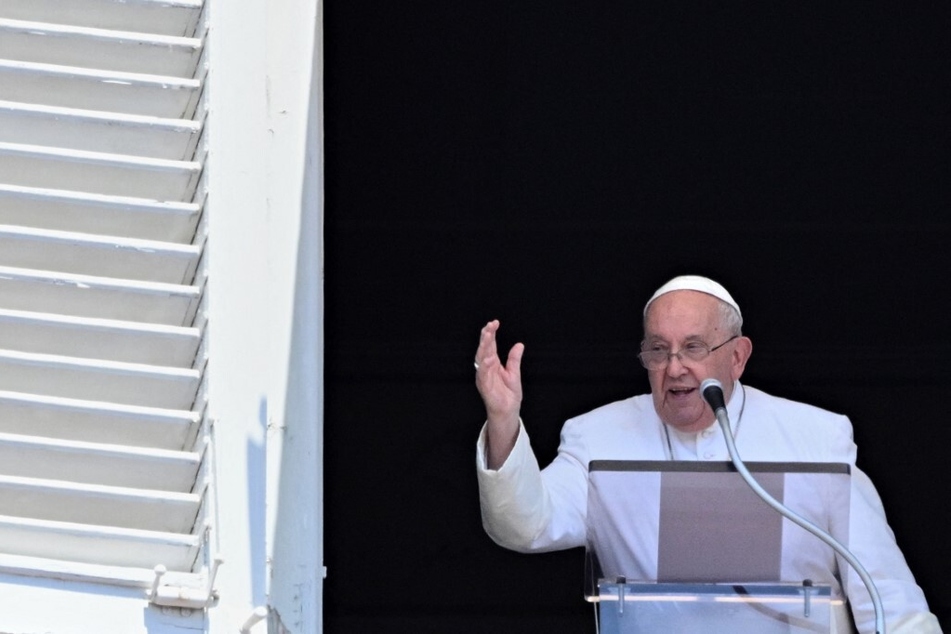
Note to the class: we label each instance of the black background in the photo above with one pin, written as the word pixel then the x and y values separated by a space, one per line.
pixel 550 164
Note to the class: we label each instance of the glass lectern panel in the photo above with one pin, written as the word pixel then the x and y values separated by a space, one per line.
pixel 652 608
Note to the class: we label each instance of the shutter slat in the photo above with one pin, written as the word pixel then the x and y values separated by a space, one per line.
pixel 98 505
pixel 98 48
pixel 98 297
pixel 71 377
pixel 109 91
pixel 93 131
pixel 97 544
pixel 95 172
pixel 111 340
pixel 96 421
pixel 170 17
pixel 98 463
pixel 87 254
pixel 95 213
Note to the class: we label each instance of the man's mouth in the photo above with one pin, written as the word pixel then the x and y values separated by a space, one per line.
pixel 681 392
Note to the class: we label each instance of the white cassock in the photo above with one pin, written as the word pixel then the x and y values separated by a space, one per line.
pixel 528 509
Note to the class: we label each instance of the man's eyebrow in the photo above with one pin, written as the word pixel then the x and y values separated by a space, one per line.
pixel 658 338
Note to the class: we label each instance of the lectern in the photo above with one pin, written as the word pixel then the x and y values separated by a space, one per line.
pixel 688 547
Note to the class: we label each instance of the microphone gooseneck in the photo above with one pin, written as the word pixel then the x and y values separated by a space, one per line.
pixel 712 392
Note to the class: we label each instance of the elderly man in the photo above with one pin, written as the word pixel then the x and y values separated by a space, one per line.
pixel 692 331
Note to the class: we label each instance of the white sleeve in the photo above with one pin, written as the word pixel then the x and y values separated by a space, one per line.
pixel 872 542
pixel 526 509
pixel 514 505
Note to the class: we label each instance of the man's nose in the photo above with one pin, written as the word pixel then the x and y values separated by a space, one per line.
pixel 674 366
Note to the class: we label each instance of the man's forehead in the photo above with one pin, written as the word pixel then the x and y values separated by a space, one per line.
pixel 683 305
pixel 682 315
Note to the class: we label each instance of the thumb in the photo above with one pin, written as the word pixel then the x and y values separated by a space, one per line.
pixel 514 362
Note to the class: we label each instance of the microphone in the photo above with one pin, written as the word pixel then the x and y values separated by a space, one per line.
pixel 712 392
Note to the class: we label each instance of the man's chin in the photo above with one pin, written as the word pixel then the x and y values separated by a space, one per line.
pixel 688 424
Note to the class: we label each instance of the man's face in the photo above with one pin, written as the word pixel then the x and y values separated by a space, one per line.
pixel 673 321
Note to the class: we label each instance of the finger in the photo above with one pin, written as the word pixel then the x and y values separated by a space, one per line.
pixel 487 350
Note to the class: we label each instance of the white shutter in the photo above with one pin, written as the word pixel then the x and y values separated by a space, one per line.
pixel 104 472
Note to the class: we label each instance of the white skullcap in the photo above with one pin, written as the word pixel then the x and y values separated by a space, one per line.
pixel 695 283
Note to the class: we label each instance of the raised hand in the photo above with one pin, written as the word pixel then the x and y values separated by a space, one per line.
pixel 500 386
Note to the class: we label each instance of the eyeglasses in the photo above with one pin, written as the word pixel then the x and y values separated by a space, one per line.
pixel 659 357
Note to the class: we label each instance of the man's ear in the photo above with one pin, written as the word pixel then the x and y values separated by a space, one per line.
pixel 741 354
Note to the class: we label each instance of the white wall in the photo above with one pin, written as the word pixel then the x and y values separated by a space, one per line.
pixel 266 178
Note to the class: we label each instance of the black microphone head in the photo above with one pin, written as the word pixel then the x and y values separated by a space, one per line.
pixel 712 392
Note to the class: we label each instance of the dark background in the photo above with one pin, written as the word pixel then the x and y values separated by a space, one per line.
pixel 552 163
